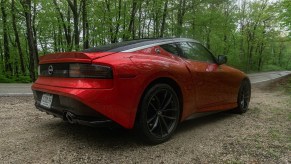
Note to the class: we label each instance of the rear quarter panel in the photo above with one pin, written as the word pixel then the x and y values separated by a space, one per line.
pixel 157 66
pixel 135 71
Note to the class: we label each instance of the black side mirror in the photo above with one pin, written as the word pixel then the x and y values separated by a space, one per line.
pixel 221 59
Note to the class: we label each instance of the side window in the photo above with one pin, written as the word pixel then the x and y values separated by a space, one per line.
pixel 171 48
pixel 196 51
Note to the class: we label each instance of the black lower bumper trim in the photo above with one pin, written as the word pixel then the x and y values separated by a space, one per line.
pixel 88 121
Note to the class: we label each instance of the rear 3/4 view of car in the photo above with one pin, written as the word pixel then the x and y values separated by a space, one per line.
pixel 150 85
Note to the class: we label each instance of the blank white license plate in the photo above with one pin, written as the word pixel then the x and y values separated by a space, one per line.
pixel 46 100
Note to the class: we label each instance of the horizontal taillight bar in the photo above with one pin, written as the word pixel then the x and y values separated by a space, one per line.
pixel 76 70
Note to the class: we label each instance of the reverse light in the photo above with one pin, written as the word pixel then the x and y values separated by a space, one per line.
pixel 90 71
pixel 38 70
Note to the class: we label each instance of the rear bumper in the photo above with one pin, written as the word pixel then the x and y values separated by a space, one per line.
pixel 72 111
pixel 90 106
pixel 94 122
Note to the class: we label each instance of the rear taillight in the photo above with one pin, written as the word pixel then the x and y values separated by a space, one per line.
pixel 90 71
pixel 76 70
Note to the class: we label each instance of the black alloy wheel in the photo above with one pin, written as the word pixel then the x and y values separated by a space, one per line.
pixel 244 96
pixel 159 114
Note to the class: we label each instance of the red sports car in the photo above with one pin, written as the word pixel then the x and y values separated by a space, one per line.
pixel 149 84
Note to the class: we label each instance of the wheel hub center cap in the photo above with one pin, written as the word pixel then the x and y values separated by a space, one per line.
pixel 159 113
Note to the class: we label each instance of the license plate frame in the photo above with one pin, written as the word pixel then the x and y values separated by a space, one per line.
pixel 46 100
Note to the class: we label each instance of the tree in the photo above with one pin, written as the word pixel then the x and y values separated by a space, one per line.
pixel 74 8
pixel 255 35
pixel 164 18
pixel 17 39
pixel 85 25
pixel 6 52
pixel 33 57
pixel 131 28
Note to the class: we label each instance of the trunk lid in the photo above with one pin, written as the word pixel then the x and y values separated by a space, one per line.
pixel 73 57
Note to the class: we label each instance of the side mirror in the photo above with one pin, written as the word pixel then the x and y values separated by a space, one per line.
pixel 221 59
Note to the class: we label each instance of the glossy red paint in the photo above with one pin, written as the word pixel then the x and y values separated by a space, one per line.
pixel 203 86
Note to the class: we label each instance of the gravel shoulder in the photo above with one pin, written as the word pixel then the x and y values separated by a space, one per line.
pixel 262 135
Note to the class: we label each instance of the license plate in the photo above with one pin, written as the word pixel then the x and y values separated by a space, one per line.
pixel 46 100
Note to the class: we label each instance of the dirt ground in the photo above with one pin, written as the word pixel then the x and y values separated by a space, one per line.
pixel 262 135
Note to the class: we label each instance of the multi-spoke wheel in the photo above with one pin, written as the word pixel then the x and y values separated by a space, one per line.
pixel 244 96
pixel 159 113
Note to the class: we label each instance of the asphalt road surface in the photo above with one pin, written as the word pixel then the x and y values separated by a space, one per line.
pixel 10 89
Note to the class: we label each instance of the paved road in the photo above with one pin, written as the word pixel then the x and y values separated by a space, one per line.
pixel 13 89
pixel 266 76
pixel 24 89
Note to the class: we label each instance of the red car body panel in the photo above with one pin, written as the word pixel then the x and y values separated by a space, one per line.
pixel 204 86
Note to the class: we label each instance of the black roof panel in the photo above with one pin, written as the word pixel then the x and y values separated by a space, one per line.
pixel 111 47
pixel 126 45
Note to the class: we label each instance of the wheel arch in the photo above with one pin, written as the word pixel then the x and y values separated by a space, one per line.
pixel 164 80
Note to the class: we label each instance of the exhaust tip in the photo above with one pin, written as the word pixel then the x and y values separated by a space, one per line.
pixel 70 117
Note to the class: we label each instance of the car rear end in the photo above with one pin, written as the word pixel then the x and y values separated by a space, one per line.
pixel 71 87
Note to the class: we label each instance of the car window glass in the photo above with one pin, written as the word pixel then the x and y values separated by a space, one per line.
pixel 171 48
pixel 196 51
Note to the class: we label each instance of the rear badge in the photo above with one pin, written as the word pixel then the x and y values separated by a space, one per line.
pixel 50 70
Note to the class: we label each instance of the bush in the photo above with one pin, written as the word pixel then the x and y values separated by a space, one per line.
pixel 4 79
pixel 19 79
pixel 272 68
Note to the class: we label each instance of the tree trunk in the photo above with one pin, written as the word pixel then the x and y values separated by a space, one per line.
pixel 208 32
pixel 17 40
pixel 65 28
pixel 124 23
pixel 181 13
pixel 7 63
pixel 108 14
pixel 55 39
pixel 74 8
pixel 164 19
pixel 281 55
pixel 149 26
pixel 139 19
pixel 85 26
pixel 1 58
pixel 69 29
pixel 131 22
pixel 155 18
pixel 118 22
pixel 30 38
pixel 36 61
pixel 144 21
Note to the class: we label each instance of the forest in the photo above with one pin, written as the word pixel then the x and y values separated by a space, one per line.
pixel 254 34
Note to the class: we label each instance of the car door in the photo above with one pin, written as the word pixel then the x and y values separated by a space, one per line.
pixel 207 76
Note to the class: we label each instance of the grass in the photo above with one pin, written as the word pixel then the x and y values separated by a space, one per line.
pixel 19 79
pixel 275 134
pixel 270 67
pixel 288 86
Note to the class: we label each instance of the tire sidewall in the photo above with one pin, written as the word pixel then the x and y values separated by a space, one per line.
pixel 245 83
pixel 142 119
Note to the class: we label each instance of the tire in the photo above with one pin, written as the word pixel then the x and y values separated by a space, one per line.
pixel 159 114
pixel 244 96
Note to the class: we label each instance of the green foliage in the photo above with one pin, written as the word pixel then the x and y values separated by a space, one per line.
pixel 19 79
pixel 272 68
pixel 4 79
pixel 253 34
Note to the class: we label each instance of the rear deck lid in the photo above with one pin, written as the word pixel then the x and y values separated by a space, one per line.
pixel 72 57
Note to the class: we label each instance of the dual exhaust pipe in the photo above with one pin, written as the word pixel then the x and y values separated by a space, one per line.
pixel 70 117
pixel 73 119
